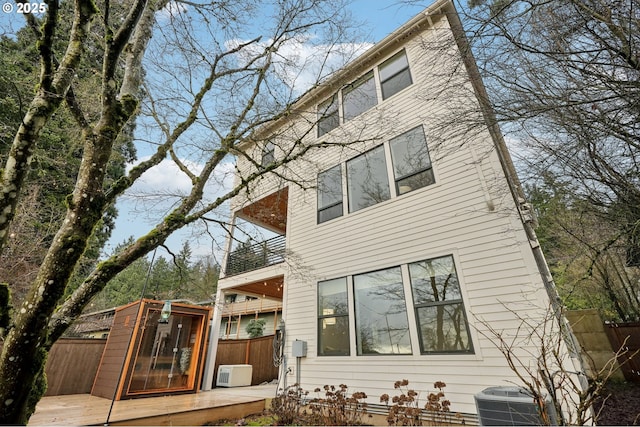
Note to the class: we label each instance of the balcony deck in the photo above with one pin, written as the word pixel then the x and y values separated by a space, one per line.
pixel 185 409
pixel 260 305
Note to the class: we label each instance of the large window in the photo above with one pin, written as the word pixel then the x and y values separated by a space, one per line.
pixel 333 318
pixel 330 194
pixel 381 315
pixel 367 181
pixel 440 314
pixel 328 115
pixel 359 96
pixel 411 161
pixel 394 74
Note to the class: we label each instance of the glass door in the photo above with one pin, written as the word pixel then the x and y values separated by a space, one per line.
pixel 166 356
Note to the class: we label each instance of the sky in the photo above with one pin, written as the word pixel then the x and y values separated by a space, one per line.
pixel 380 17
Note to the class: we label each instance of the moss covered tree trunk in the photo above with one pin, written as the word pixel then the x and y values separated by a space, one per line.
pixel 27 344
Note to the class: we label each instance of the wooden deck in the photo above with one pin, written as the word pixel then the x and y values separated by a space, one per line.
pixel 186 409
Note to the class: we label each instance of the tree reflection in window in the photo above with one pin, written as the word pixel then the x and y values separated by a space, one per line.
pixel 411 161
pixel 440 314
pixel 381 315
pixel 367 181
pixel 333 318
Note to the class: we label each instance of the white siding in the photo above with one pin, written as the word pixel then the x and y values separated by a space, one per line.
pixel 467 213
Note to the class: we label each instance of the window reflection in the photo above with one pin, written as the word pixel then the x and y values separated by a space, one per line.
pixel 330 194
pixel 359 96
pixel 411 161
pixel 381 315
pixel 165 359
pixel 440 313
pixel 394 74
pixel 367 181
pixel 333 318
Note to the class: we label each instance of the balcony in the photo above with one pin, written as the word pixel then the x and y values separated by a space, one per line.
pixel 259 255
pixel 260 305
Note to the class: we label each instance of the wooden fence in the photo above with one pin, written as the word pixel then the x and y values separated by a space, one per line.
pixel 73 362
pixel 72 365
pixel 257 352
pixel 626 335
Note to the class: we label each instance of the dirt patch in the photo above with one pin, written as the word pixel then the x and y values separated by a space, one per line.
pixel 622 407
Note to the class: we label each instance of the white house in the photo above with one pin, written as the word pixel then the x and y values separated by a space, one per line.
pixel 397 245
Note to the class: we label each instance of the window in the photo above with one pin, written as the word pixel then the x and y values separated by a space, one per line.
pixel 394 74
pixel 268 154
pixel 440 315
pixel 367 181
pixel 333 318
pixel 330 194
pixel 411 162
pixel 382 326
pixel 328 115
pixel 359 96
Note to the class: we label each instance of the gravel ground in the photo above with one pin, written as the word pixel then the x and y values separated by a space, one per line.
pixel 622 408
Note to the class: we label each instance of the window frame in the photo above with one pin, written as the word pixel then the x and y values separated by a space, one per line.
pixel 458 301
pixel 328 110
pixel 350 203
pixel 340 202
pixel 268 154
pixel 321 317
pixel 397 179
pixel 406 69
pixel 357 318
pixel 355 91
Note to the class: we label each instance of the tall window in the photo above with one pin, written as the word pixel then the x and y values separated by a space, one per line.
pixel 330 194
pixel 381 315
pixel 268 153
pixel 328 115
pixel 394 74
pixel 440 314
pixel 333 318
pixel 367 182
pixel 411 162
pixel 359 96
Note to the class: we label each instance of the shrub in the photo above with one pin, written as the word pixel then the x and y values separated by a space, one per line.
pixel 337 408
pixel 406 411
pixel 255 328
pixel 287 405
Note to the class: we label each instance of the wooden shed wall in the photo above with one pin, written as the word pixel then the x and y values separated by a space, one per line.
pixel 115 351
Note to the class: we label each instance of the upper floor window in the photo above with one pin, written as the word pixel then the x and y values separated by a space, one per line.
pixel 330 194
pixel 367 182
pixel 268 153
pixel 382 325
pixel 333 318
pixel 359 96
pixel 394 74
pixel 328 115
pixel 440 315
pixel 411 162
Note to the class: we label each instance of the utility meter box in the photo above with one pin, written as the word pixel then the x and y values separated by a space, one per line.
pixel 299 348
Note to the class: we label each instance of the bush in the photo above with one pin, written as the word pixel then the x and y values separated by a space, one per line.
pixel 255 328
pixel 406 410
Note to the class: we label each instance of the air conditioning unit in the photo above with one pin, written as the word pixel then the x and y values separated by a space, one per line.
pixel 234 375
pixel 510 406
